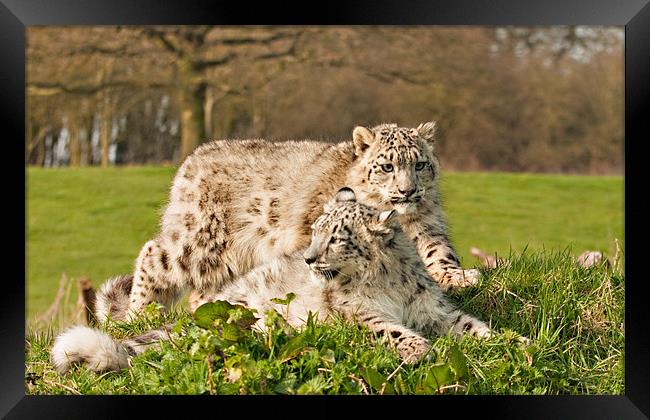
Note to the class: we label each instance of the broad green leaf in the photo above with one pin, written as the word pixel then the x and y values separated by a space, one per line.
pixel 206 314
pixel 231 332
pixel 315 385
pixel 242 317
pixel 388 389
pixel 439 376
pixel 235 360
pixel 373 378
pixel 293 348
pixel 285 386
pixel 458 362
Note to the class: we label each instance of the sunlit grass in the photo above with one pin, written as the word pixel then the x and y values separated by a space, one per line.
pixel 93 221
pixel 574 317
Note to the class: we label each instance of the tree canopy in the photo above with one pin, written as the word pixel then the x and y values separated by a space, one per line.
pixel 505 98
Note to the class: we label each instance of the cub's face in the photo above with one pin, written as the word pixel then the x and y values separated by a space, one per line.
pixel 400 164
pixel 347 236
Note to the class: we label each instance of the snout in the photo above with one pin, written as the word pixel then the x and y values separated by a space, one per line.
pixel 407 193
pixel 405 196
pixel 309 258
pixel 317 265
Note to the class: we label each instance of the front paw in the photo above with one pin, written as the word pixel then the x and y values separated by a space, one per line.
pixel 459 279
pixel 413 349
pixel 471 277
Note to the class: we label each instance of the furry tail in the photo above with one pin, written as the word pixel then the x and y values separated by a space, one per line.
pixel 99 351
pixel 112 299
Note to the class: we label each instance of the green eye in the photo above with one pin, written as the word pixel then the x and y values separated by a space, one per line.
pixel 420 165
pixel 387 167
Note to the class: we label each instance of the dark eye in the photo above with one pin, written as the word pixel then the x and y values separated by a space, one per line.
pixel 420 165
pixel 387 167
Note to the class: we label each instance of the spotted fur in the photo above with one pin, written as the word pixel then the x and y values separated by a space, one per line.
pixel 359 264
pixel 112 299
pixel 235 205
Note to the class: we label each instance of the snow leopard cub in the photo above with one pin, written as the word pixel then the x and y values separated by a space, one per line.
pixel 361 265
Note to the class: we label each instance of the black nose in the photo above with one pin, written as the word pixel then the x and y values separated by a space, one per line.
pixel 310 260
pixel 407 193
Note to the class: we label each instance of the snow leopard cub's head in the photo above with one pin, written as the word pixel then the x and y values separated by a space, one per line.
pixel 348 236
pixel 399 165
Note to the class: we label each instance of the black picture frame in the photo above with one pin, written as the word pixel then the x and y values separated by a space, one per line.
pixel 16 15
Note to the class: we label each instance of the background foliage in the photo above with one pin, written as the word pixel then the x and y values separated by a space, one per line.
pixel 541 99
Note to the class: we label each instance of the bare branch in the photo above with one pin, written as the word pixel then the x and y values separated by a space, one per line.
pixel 204 64
pixel 272 55
pixel 89 49
pixel 290 51
pixel 253 40
pixel 38 138
pixel 167 43
pixel 392 76
pixel 49 314
pixel 47 89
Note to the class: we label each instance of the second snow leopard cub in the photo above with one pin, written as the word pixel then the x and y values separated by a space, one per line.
pixel 361 265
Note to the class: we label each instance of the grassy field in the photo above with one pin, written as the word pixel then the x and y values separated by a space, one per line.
pixel 93 222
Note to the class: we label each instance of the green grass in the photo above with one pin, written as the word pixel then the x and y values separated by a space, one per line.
pixel 93 222
pixel 497 212
pixel 89 222
pixel 573 315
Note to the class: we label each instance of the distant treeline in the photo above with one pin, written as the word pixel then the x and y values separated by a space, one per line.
pixel 541 99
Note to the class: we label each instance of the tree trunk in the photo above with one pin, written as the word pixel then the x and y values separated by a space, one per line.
pixel 36 146
pixel 192 118
pixel 29 140
pixel 84 146
pixel 39 160
pixel 75 144
pixel 208 106
pixel 105 131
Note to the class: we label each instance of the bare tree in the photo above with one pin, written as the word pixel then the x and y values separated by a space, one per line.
pixel 537 99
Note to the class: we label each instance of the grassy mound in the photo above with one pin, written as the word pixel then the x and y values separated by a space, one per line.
pixel 573 315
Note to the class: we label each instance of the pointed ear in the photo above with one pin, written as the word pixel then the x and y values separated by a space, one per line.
pixel 343 195
pixel 427 130
pixel 362 139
